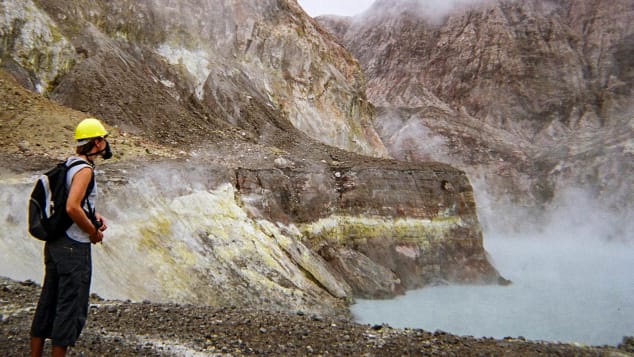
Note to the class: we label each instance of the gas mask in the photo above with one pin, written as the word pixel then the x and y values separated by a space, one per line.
pixel 107 152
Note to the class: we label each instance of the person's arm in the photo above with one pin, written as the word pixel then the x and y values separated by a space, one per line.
pixel 78 188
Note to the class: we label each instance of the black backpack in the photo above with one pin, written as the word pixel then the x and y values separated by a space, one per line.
pixel 48 219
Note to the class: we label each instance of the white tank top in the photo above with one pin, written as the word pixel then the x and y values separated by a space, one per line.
pixel 74 232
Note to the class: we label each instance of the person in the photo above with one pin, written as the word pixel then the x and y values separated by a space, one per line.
pixel 62 309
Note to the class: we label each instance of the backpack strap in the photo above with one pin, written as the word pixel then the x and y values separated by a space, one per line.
pixel 91 185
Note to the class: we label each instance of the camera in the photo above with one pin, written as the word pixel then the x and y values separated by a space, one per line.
pixel 97 223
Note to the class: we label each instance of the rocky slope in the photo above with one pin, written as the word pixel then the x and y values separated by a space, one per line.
pixel 533 98
pixel 207 63
pixel 219 182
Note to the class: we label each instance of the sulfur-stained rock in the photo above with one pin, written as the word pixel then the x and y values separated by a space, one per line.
pixel 382 229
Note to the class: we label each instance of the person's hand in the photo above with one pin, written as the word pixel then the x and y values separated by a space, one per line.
pixel 104 224
pixel 96 237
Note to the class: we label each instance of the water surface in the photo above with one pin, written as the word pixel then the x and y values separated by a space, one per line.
pixel 562 291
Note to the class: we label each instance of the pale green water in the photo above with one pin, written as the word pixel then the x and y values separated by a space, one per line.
pixel 562 291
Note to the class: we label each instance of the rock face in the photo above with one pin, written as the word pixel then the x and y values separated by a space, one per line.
pixel 200 61
pixel 531 97
pixel 383 228
pixel 223 190
pixel 554 61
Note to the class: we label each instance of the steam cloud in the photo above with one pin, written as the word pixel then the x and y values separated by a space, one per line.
pixel 435 11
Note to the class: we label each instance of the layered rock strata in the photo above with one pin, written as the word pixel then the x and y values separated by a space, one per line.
pixel 382 230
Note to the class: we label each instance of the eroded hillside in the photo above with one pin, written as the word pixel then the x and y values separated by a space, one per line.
pixel 237 174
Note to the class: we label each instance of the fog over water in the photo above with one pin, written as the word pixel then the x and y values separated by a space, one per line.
pixel 572 282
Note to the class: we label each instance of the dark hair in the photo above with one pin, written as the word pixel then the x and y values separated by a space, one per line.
pixel 85 149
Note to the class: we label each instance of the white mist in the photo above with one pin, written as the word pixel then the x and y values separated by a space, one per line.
pixel 565 288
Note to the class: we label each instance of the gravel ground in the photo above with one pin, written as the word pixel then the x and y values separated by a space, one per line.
pixel 123 328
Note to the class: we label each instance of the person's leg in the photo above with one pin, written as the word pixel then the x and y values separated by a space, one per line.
pixel 59 351
pixel 37 346
pixel 45 312
pixel 74 271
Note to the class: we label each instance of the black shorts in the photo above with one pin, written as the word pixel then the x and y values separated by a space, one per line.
pixel 63 306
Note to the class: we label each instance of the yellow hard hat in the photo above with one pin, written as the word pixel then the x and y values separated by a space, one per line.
pixel 89 128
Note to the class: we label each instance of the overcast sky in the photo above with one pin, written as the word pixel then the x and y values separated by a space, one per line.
pixel 335 7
